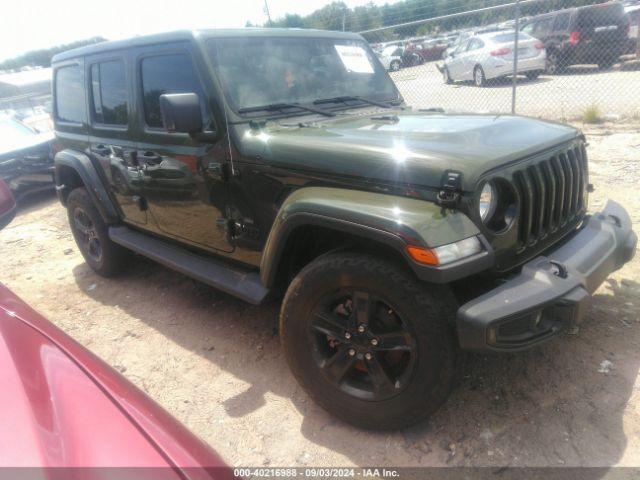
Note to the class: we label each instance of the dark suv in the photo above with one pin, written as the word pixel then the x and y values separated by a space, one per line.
pixel 595 34
pixel 284 162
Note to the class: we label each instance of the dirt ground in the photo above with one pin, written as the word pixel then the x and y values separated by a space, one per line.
pixel 216 363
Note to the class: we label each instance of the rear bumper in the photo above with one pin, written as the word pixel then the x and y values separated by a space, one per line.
pixel 552 291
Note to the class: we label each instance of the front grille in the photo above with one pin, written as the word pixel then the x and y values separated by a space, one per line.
pixel 551 194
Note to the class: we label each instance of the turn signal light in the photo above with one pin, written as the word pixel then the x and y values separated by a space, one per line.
pixel 422 255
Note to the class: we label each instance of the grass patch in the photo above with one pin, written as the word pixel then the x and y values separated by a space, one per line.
pixel 592 115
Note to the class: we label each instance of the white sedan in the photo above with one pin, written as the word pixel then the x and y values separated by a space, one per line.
pixel 391 58
pixel 488 56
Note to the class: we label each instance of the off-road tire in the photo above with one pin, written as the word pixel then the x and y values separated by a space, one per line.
pixel 113 258
pixel 428 310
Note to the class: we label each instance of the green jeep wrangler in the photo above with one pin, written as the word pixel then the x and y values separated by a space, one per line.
pixel 268 162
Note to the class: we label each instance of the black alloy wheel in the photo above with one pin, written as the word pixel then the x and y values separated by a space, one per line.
pixel 361 345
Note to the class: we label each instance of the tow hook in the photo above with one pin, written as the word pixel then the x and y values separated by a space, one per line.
pixel 559 270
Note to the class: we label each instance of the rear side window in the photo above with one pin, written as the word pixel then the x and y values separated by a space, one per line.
pixel 562 22
pixel 544 26
pixel 109 93
pixel 167 74
pixel 70 106
pixel 600 16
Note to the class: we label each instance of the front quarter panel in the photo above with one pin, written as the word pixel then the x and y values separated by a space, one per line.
pixel 395 221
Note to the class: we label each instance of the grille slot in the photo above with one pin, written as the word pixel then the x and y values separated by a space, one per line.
pixel 551 194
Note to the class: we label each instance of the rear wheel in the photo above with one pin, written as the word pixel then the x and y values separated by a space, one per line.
pixel 367 341
pixel 91 235
pixel 554 65
pixel 478 77
pixel 446 77
pixel 532 75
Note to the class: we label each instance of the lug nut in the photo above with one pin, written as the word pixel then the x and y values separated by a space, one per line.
pixel 347 335
pixel 374 342
pixel 352 352
pixel 361 328
pixel 368 356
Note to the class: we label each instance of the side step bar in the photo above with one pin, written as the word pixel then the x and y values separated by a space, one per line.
pixel 244 284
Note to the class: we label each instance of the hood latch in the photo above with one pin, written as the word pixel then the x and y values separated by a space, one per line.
pixel 449 195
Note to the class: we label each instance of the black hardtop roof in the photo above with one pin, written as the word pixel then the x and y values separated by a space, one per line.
pixel 186 35
pixel 573 9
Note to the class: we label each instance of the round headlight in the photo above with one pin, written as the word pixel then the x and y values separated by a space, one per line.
pixel 488 202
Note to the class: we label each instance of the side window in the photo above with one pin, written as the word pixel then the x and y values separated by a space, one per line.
pixel 109 93
pixel 528 28
pixel 70 106
pixel 172 73
pixel 562 22
pixel 475 44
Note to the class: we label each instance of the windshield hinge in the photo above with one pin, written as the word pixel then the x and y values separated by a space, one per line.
pixel 449 195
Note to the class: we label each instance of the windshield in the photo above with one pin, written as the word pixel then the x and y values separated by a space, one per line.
pixel 12 131
pixel 258 71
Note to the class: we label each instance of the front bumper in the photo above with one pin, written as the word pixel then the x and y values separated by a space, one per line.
pixel 551 291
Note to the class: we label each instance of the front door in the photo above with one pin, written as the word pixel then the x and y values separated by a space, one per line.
pixel 183 180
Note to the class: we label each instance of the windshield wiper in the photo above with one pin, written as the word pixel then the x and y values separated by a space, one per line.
pixel 284 106
pixel 347 98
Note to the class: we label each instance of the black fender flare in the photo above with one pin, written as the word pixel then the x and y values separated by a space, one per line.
pixel 386 219
pixel 92 179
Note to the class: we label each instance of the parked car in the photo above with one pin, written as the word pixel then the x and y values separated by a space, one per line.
pixel 429 50
pixel 491 55
pixel 595 34
pixel 313 181
pixel 633 12
pixel 391 57
pixel 26 157
pixel 62 407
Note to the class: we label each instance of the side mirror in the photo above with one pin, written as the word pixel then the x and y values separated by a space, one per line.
pixel 7 205
pixel 181 112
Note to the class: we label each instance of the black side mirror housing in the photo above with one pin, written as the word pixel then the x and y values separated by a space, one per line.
pixel 181 112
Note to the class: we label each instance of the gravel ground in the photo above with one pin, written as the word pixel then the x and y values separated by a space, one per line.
pixel 564 96
pixel 216 363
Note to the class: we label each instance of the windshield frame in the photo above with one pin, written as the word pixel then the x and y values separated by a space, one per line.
pixel 226 100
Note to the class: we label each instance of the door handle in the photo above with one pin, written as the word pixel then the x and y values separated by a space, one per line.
pixel 100 150
pixel 150 158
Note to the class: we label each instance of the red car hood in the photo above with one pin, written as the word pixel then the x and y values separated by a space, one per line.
pixel 61 406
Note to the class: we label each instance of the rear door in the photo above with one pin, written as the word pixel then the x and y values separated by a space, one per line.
pixel 109 88
pixel 183 179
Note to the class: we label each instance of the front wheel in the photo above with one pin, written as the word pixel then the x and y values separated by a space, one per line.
pixel 394 66
pixel 368 341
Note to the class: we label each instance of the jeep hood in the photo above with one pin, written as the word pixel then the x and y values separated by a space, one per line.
pixel 408 147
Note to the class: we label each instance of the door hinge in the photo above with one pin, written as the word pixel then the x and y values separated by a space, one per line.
pixel 449 194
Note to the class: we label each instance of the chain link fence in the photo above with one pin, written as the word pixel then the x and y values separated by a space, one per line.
pixel 555 59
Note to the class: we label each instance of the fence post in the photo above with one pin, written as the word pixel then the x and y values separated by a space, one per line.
pixel 514 85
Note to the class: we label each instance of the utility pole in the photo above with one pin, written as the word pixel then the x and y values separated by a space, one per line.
pixel 266 10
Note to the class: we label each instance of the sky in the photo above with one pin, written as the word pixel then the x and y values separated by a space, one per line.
pixel 33 24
